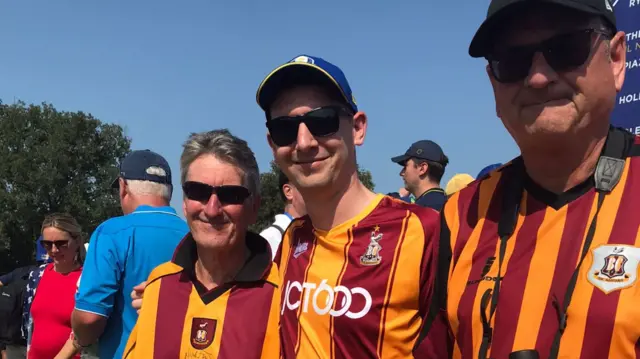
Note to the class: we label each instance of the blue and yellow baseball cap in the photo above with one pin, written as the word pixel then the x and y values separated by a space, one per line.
pixel 304 70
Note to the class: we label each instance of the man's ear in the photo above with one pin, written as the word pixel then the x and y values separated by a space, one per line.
pixel 184 207
pixel 122 188
pixel 618 58
pixel 423 168
pixel 288 191
pixel 360 123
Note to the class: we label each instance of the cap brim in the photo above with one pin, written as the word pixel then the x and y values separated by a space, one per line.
pixel 293 73
pixel 400 159
pixel 482 41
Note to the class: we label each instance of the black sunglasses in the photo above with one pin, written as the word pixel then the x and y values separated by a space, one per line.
pixel 321 122
pixel 564 52
pixel 48 245
pixel 228 194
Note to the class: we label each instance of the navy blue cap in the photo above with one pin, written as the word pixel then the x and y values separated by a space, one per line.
pixel 485 171
pixel 304 70
pixel 137 166
pixel 426 150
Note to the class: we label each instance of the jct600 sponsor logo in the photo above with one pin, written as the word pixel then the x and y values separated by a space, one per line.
pixel 312 294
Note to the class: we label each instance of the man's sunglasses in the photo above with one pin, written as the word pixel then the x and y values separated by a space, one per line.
pixel 321 122
pixel 564 52
pixel 48 245
pixel 227 194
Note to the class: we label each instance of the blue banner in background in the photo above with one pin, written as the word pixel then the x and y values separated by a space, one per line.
pixel 627 111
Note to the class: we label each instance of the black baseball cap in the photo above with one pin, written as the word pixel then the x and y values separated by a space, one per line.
pixel 426 150
pixel 501 9
pixel 137 166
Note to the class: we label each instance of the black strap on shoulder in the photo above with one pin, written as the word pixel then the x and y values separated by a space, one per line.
pixel 278 228
pixel 606 176
pixel 439 301
pixel 511 198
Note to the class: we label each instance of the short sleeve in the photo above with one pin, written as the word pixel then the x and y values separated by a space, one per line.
pixel 7 278
pixel 101 273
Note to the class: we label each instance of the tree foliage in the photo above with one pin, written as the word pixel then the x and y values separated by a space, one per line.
pixel 53 161
pixel 272 202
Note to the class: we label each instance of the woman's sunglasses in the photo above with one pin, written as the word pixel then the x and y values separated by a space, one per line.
pixel 48 245
pixel 563 52
pixel 227 194
pixel 321 122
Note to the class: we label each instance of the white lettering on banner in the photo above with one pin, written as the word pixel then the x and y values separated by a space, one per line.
pixel 332 293
pixel 633 35
pixel 633 3
pixel 636 132
pixel 633 64
pixel 633 97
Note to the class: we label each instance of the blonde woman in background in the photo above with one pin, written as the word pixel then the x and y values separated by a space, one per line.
pixel 50 334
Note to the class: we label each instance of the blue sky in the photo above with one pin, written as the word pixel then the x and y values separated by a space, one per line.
pixel 164 69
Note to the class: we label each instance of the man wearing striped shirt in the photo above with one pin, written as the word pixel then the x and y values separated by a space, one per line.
pixel 357 271
pixel 218 297
pixel 545 250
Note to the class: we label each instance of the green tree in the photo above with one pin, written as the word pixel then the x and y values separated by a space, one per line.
pixel 272 202
pixel 53 161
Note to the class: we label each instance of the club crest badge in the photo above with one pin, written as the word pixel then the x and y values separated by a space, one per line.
pixel 614 267
pixel 202 332
pixel 372 256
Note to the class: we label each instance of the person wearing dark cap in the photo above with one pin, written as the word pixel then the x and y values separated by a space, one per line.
pixel 342 294
pixel 545 252
pixel 123 251
pixel 423 166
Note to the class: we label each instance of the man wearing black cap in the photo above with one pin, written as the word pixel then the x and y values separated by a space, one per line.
pixel 423 166
pixel 357 270
pixel 545 251
pixel 123 252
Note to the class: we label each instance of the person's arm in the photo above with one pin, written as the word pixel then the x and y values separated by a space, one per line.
pixel 100 282
pixel 6 279
pixel 69 350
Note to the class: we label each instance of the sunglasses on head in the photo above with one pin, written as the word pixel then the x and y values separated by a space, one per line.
pixel 48 245
pixel 564 52
pixel 227 194
pixel 321 122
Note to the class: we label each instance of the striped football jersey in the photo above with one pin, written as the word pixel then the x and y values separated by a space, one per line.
pixel 181 319
pixel 361 289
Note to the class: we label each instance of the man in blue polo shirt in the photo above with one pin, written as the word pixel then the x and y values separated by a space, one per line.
pixel 422 169
pixel 123 252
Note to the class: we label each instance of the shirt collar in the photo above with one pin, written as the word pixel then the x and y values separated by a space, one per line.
pixel 432 190
pixel 256 267
pixel 145 208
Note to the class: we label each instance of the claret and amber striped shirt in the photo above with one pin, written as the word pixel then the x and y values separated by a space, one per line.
pixel 362 289
pixel 540 258
pixel 181 319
